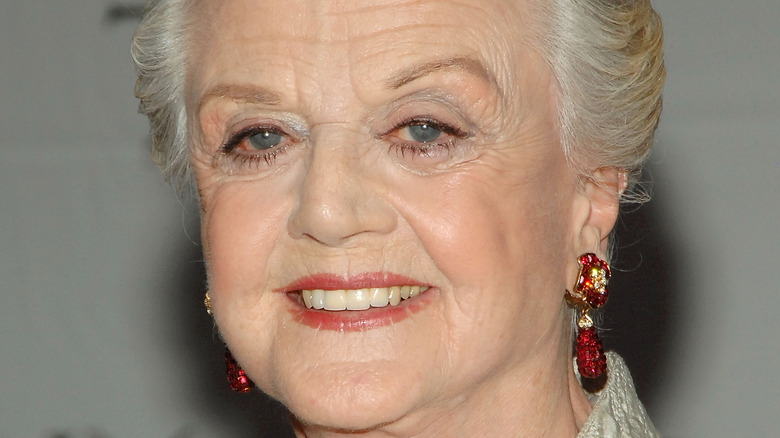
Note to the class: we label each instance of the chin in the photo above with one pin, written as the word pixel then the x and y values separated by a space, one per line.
pixel 349 399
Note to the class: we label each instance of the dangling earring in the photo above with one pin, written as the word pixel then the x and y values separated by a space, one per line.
pixel 236 376
pixel 238 379
pixel 590 292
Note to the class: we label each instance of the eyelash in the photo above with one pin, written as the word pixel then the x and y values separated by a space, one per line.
pixel 268 157
pixel 400 146
pixel 425 149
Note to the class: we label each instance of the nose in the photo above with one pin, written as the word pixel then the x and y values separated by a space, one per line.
pixel 340 198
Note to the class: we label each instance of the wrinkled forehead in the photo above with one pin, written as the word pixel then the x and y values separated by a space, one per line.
pixel 347 20
pixel 359 34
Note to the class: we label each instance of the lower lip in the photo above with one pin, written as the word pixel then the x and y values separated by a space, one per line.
pixel 357 320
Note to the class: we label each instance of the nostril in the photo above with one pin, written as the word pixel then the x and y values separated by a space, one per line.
pixel 334 217
pixel 342 192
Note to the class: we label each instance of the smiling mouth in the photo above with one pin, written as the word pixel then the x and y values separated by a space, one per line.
pixel 359 299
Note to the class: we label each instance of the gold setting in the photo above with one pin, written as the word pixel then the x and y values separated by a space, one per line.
pixel 585 321
pixel 599 277
pixel 207 303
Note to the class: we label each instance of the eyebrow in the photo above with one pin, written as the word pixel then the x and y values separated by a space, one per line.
pixel 264 96
pixel 463 63
pixel 240 93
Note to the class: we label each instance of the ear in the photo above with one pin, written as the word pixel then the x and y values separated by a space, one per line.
pixel 597 211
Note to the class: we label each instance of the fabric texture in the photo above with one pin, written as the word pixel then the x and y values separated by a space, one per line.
pixel 617 411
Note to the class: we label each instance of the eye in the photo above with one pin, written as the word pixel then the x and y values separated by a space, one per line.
pixel 425 138
pixel 422 132
pixel 257 144
pixel 265 140
pixel 255 138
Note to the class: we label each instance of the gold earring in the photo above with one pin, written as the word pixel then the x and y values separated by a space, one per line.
pixel 207 303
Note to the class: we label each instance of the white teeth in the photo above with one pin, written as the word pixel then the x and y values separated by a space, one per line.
pixel 306 295
pixel 394 295
pixel 359 299
pixel 379 297
pixel 318 298
pixel 335 300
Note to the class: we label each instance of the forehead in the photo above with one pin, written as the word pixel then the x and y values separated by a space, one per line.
pixel 354 38
pixel 346 20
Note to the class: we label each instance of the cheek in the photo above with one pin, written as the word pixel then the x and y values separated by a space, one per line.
pixel 235 238
pixel 498 236
pixel 482 230
pixel 242 226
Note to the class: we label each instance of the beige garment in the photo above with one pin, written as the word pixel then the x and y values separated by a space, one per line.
pixel 617 411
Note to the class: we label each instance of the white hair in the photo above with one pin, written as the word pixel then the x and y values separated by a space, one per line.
pixel 159 49
pixel 606 56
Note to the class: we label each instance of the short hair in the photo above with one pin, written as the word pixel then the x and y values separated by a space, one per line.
pixel 606 57
pixel 159 50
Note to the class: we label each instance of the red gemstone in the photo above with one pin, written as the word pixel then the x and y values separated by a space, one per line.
pixel 592 283
pixel 238 379
pixel 591 360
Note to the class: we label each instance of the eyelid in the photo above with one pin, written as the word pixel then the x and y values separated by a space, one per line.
pixel 444 127
pixel 417 156
pixel 235 139
pixel 234 157
pixel 438 104
pixel 287 127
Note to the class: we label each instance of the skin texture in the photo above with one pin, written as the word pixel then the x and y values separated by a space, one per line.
pixel 490 216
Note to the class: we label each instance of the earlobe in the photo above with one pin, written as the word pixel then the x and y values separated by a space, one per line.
pixel 602 192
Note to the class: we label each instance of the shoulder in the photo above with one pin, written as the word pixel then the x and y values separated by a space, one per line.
pixel 617 411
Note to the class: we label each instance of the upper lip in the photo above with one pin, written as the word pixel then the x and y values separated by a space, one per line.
pixel 347 282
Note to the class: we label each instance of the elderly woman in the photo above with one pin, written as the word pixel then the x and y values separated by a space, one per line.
pixel 406 204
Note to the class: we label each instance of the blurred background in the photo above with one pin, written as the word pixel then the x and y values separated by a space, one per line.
pixel 102 329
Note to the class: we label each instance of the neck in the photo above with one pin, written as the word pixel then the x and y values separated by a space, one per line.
pixel 525 401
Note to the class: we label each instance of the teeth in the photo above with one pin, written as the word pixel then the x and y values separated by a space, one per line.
pixel 394 295
pixel 307 298
pixel 318 298
pixel 335 300
pixel 379 297
pixel 359 299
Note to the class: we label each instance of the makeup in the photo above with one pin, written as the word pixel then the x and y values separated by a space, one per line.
pixel 328 301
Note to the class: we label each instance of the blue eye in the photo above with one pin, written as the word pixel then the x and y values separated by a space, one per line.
pixel 265 140
pixel 424 132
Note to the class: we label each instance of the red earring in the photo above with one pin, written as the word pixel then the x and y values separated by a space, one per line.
pixel 590 292
pixel 238 379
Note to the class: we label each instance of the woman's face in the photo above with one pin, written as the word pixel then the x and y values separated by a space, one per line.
pixel 368 149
